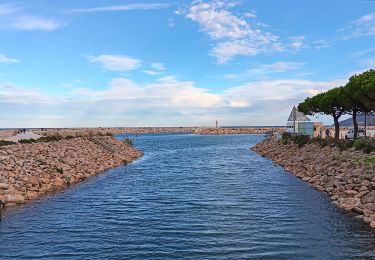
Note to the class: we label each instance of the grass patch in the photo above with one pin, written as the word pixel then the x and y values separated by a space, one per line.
pixel 370 160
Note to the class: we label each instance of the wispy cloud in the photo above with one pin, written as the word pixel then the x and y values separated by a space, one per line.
pixel 118 8
pixel 363 52
pixel 32 23
pixel 265 69
pixel 116 62
pixel 363 26
pixel 15 18
pixel 7 9
pixel 151 72
pixel 297 42
pixel 157 66
pixel 321 44
pixel 5 59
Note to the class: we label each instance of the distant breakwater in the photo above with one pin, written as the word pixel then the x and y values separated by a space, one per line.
pixel 347 176
pixel 220 131
pixel 30 170
pixel 158 130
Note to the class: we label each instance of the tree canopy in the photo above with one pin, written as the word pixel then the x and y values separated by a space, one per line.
pixel 358 95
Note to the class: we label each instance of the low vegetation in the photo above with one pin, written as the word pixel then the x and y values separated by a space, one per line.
pixel 365 145
pixel 129 142
pixel 4 143
pixel 370 160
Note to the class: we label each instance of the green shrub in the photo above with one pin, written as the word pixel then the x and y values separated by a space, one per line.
pixel 4 143
pixel 27 141
pixel 370 160
pixel 286 135
pixel 51 138
pixel 129 142
pixel 60 170
pixel 359 144
pixel 366 145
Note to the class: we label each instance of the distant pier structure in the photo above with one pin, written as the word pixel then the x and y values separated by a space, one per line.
pixel 217 124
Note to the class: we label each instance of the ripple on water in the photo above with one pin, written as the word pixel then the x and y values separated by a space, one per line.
pixel 190 196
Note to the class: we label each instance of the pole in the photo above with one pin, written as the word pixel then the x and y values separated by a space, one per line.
pixel 365 124
pixel 294 119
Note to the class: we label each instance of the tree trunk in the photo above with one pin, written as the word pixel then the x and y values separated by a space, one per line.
pixel 337 127
pixel 355 124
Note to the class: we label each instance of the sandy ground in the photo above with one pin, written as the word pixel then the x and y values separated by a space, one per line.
pixel 27 135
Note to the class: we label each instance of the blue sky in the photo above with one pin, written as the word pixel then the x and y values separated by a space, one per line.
pixel 175 63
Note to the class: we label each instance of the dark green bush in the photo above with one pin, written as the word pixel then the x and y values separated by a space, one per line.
pixel 286 135
pixel 50 138
pixel 60 170
pixel 360 144
pixel 4 143
pixel 27 141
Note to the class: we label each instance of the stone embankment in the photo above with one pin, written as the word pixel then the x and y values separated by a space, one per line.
pixel 222 131
pixel 154 130
pixel 113 130
pixel 30 170
pixel 347 176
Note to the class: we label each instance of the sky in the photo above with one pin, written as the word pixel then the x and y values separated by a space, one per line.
pixel 102 63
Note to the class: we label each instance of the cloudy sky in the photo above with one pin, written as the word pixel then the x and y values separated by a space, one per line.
pixel 175 63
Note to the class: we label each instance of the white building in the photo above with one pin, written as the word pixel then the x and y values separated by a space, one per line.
pixel 299 123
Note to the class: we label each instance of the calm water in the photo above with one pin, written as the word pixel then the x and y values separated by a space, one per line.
pixel 190 196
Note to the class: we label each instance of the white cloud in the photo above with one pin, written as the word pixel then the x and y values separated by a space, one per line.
pixel 369 62
pixel 116 62
pixel 235 35
pixel 265 69
pixel 117 8
pixel 214 19
pixel 226 51
pixel 363 26
pixel 14 17
pixel 13 94
pixel 7 9
pixel 5 59
pixel 167 101
pixel 363 52
pixel 157 66
pixel 281 66
pixel 151 72
pixel 31 23
pixel 320 44
pixel 297 42
pixel 251 14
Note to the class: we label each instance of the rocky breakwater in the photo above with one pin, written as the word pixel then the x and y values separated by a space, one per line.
pixel 223 131
pixel 30 170
pixel 112 130
pixel 347 176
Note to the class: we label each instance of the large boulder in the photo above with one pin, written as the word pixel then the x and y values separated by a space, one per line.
pixel 348 203
pixel 369 197
pixel 16 199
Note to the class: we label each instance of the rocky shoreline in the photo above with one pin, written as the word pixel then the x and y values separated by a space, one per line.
pixel 30 170
pixel 347 176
